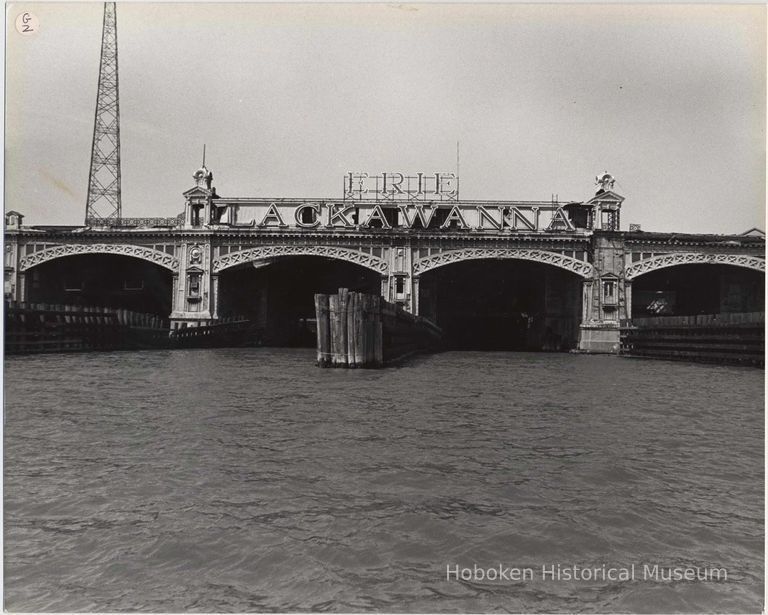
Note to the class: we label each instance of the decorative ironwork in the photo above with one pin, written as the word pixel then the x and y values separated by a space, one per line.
pixel 104 178
pixel 134 222
pixel 568 263
pixel 692 258
pixel 147 254
pixel 254 254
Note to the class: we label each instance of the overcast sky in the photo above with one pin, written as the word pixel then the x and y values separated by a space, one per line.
pixel 669 99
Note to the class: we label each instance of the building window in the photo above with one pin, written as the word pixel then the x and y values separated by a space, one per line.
pixel 609 291
pixel 399 286
pixel 193 287
pixel 400 260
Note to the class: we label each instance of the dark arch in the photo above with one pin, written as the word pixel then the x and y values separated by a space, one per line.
pixel 697 288
pixel 278 294
pixel 101 280
pixel 503 304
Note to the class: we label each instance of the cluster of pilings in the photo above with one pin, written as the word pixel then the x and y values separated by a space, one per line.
pixel 349 330
pixel 362 330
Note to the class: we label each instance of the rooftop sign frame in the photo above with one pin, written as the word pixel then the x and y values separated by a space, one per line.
pixel 397 186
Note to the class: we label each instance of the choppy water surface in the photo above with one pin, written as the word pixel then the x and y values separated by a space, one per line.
pixel 250 480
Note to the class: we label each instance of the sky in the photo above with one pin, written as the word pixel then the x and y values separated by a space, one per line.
pixel 670 99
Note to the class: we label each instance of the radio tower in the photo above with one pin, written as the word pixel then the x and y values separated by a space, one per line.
pixel 104 179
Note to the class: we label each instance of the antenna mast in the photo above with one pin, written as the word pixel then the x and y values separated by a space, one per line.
pixel 104 179
pixel 458 176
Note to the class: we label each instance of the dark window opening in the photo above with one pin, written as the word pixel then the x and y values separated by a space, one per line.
pixel 609 291
pixel 71 285
pixel 133 284
pixel 194 285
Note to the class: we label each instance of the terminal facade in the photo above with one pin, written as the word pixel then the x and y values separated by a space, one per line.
pixel 544 275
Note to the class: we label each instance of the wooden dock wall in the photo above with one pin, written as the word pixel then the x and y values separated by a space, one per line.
pixel 737 339
pixel 235 333
pixel 362 330
pixel 41 327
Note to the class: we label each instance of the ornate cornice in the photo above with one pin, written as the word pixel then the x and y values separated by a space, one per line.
pixel 353 256
pixel 142 252
pixel 568 263
pixel 693 258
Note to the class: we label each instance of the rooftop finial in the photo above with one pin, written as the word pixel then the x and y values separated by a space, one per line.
pixel 605 181
pixel 203 177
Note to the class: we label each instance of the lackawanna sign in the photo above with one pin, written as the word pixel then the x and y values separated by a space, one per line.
pixel 392 201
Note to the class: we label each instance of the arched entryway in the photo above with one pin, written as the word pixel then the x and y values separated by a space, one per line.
pixel 689 289
pixel 503 304
pixel 101 280
pixel 278 293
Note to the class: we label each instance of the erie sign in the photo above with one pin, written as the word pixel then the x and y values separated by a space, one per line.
pixel 401 187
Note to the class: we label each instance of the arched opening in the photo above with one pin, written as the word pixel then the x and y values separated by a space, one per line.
pixel 278 294
pixel 685 290
pixel 503 305
pixel 102 280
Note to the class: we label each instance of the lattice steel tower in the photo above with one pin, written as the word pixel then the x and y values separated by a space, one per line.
pixel 104 179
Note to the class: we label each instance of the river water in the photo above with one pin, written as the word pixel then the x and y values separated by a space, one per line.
pixel 250 480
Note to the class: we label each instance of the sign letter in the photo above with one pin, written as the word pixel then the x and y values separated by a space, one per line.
pixel 315 215
pixel 454 216
pixel 560 221
pixel 339 215
pixel 424 218
pixel 272 215
pixel 377 214
pixel 483 214
pixel 515 215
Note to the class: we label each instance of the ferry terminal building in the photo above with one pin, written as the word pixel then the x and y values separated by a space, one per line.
pixel 519 275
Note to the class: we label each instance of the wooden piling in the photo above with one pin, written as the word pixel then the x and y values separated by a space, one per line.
pixel 342 325
pixel 333 310
pixel 352 301
pixel 378 333
pixel 370 333
pixel 322 314
pixel 359 331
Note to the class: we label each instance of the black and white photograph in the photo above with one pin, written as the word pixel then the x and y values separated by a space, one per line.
pixel 384 308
